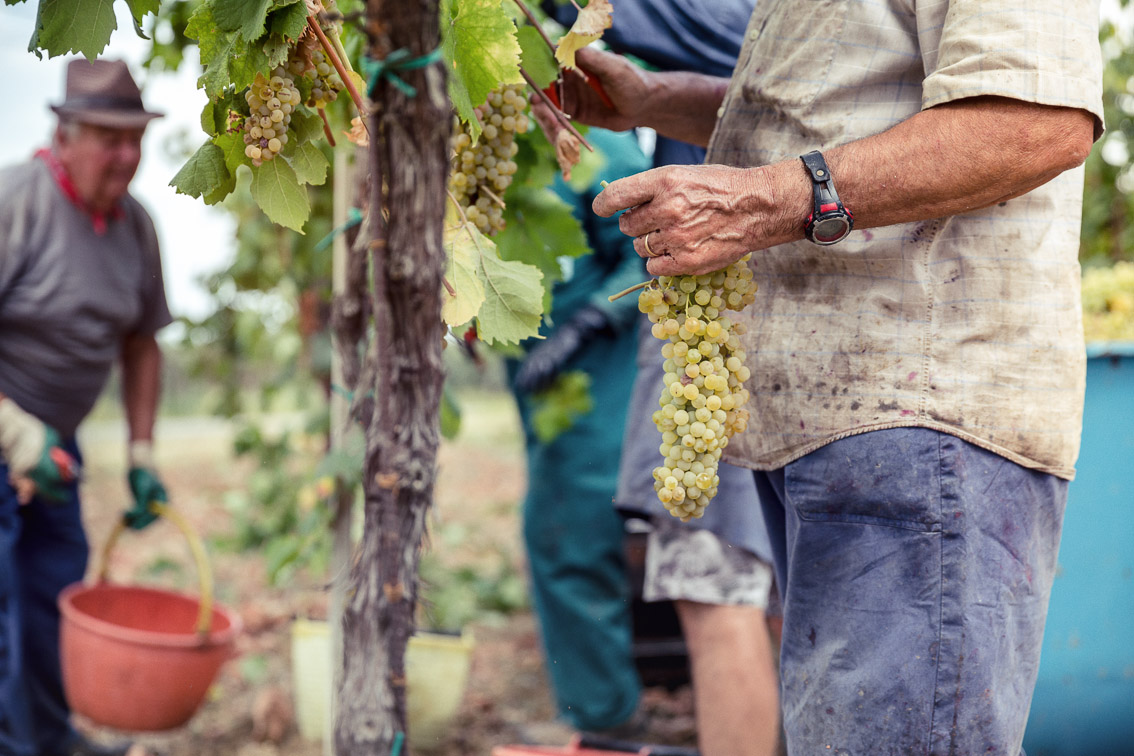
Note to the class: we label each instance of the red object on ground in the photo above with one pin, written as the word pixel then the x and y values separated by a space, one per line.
pixel 132 658
pixel 592 746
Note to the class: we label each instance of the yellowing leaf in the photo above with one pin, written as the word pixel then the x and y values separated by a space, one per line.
pixel 589 25
pixel 358 134
pixel 567 149
pixel 463 252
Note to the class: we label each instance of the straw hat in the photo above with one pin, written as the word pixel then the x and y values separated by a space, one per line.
pixel 103 93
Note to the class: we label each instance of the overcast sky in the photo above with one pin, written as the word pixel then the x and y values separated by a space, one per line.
pixel 195 238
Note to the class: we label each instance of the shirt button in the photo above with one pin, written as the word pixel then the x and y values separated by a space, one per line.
pixel 753 34
pixel 720 112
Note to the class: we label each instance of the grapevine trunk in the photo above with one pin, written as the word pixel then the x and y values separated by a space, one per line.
pixel 409 165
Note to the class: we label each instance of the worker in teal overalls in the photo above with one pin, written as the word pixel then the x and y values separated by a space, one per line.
pixel 573 536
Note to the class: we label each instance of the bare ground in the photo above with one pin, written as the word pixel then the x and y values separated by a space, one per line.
pixel 249 710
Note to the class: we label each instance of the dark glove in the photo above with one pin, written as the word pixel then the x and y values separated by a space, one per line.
pixel 56 470
pixel 145 486
pixel 547 359
pixel 34 452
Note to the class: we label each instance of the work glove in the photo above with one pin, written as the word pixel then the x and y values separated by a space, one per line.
pixel 145 485
pixel 546 360
pixel 34 452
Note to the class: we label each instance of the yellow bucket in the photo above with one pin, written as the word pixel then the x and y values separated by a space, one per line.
pixel 437 670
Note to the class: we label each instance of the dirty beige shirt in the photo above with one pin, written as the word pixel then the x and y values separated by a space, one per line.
pixel 970 324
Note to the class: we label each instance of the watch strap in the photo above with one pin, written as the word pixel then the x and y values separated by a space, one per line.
pixel 823 187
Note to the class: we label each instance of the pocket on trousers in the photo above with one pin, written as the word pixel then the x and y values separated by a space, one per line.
pixel 886 477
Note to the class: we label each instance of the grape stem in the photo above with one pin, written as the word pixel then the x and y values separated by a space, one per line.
pixel 466 224
pixel 559 114
pixel 535 22
pixel 333 56
pixel 630 290
pixel 327 128
pixel 493 195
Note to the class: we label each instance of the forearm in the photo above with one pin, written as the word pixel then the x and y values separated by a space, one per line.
pixel 947 160
pixel 141 384
pixel 683 105
pixel 956 158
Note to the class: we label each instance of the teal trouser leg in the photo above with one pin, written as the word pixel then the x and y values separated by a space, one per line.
pixel 582 601
pixel 574 541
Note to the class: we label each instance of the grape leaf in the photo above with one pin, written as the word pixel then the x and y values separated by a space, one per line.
pixel 222 190
pixel 204 171
pixel 246 17
pixel 66 26
pixel 233 147
pixel 277 191
pixel 463 247
pixel 310 164
pixel 139 9
pixel 555 409
pixel 214 116
pixel 536 57
pixel 589 26
pixel 540 228
pixel 288 19
pixel 305 125
pixel 478 42
pixel 513 305
pixel 228 59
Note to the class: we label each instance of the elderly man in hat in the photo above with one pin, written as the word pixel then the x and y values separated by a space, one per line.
pixel 80 287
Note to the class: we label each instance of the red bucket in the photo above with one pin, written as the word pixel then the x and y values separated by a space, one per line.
pixel 142 659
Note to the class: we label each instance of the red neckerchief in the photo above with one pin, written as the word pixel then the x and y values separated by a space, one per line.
pixel 59 173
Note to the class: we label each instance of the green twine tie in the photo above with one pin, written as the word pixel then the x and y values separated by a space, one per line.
pixel 354 217
pixel 399 60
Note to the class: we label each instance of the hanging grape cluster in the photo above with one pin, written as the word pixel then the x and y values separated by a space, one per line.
pixel 308 60
pixel 483 170
pixel 703 398
pixel 270 104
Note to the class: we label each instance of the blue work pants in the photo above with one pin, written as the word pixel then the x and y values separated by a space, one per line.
pixel 916 570
pixel 43 549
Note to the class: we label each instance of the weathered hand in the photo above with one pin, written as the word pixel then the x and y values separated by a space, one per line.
pixel 699 218
pixel 625 84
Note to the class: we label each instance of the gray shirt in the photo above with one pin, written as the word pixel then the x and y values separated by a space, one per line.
pixel 68 296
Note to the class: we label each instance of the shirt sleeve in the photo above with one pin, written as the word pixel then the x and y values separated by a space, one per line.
pixel 13 228
pixel 1031 50
pixel 155 313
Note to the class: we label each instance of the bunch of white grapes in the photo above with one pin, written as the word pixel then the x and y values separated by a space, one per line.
pixel 704 395
pixel 308 60
pixel 270 104
pixel 483 170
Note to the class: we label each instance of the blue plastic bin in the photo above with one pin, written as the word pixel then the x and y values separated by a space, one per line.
pixel 1084 697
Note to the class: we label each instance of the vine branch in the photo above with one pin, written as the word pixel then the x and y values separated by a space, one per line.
pixel 333 56
pixel 535 22
pixel 559 114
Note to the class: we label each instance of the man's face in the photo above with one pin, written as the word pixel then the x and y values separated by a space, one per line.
pixel 101 161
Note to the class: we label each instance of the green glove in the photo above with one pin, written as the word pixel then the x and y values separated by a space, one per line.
pixel 34 451
pixel 55 471
pixel 144 485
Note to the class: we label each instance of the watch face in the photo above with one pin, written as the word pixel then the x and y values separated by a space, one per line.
pixel 830 229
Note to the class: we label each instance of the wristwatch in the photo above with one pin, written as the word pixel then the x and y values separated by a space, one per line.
pixel 830 221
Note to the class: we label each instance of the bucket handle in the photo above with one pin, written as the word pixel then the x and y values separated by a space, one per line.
pixel 204 573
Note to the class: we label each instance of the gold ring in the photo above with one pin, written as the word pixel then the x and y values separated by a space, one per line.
pixel 646 244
